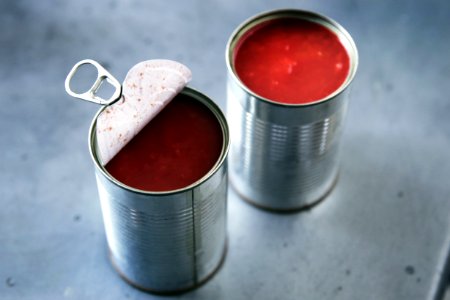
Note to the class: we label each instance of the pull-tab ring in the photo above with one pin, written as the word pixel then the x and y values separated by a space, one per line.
pixel 90 95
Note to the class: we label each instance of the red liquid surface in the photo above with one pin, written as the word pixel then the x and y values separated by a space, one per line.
pixel 177 148
pixel 291 61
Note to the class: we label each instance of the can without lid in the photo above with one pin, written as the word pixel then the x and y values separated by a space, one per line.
pixel 285 156
pixel 172 241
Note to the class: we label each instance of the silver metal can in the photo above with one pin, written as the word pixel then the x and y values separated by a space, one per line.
pixel 171 241
pixel 285 156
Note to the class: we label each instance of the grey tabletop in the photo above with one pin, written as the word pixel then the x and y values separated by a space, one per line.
pixel 383 232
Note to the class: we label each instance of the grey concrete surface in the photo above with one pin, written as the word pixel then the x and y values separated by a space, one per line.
pixel 383 233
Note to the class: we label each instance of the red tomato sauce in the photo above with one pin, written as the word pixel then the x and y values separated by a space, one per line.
pixel 175 149
pixel 291 61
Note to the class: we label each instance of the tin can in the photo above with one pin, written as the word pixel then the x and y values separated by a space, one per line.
pixel 285 156
pixel 172 241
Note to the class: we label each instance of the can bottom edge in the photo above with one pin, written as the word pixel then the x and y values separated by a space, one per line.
pixel 297 209
pixel 170 292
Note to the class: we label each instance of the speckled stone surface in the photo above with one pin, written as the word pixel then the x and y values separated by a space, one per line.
pixel 384 231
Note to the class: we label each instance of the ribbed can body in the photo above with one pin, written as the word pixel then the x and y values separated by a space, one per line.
pixel 283 156
pixel 278 164
pixel 168 241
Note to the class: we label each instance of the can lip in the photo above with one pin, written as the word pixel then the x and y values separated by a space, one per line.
pixel 340 31
pixel 215 109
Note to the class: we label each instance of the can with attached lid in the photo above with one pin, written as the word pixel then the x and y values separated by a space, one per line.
pixel 166 241
pixel 171 239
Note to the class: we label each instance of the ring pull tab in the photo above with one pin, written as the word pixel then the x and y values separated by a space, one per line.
pixel 91 94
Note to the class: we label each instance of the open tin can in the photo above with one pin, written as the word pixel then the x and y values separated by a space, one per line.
pixel 172 241
pixel 285 156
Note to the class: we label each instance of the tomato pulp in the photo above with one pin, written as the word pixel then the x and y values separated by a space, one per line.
pixel 175 149
pixel 291 60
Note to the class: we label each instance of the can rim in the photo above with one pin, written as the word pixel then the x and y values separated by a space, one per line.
pixel 329 23
pixel 215 109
